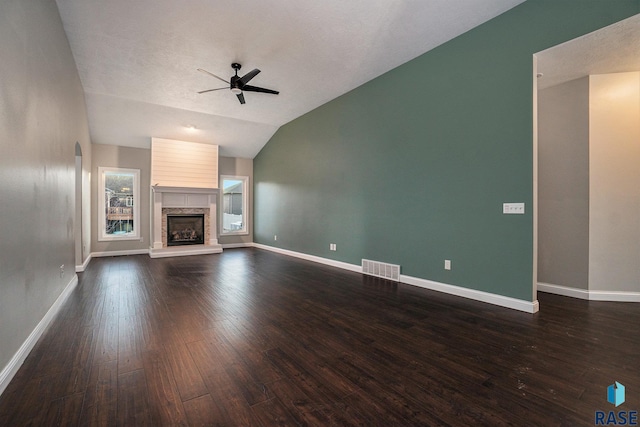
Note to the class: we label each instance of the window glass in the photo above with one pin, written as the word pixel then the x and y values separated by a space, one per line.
pixel 119 204
pixel 234 204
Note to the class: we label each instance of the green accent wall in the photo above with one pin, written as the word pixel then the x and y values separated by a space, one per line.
pixel 412 167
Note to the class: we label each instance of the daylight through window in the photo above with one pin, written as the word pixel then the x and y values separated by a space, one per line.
pixel 119 210
pixel 234 204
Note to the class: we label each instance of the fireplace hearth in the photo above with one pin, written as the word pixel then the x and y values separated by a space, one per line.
pixel 185 229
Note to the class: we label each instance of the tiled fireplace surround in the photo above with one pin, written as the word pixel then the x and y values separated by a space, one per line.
pixel 179 200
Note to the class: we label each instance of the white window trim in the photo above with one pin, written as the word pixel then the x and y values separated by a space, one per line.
pixel 245 210
pixel 102 236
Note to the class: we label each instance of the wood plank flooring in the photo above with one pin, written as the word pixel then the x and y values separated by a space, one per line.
pixel 249 337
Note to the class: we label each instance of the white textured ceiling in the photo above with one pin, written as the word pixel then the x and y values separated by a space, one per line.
pixel 137 60
pixel 613 49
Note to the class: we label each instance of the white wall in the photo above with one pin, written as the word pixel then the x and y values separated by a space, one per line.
pixel 42 116
pixel 563 184
pixel 183 164
pixel 614 239
pixel 589 186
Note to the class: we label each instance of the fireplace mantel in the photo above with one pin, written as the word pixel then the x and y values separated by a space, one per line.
pixel 194 190
pixel 183 198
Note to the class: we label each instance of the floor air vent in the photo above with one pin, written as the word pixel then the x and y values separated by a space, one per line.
pixel 381 269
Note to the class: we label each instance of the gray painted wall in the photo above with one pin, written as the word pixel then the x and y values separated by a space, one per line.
pixel 412 168
pixel 563 184
pixel 614 232
pixel 140 158
pixel 240 167
pixel 589 181
pixel 42 116
pixel 121 157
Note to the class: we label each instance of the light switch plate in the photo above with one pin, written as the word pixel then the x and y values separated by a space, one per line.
pixel 513 208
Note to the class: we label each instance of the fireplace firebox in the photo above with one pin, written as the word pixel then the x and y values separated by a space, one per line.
pixel 185 229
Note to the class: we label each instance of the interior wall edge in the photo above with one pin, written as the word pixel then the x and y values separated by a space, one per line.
pixel 84 265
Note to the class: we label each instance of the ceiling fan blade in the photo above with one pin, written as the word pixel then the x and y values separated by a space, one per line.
pixel 240 98
pixel 211 90
pixel 251 74
pixel 212 75
pixel 259 89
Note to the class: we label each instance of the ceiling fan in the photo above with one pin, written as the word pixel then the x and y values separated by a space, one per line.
pixel 239 84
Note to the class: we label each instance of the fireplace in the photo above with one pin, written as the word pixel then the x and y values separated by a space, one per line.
pixel 185 229
pixel 181 203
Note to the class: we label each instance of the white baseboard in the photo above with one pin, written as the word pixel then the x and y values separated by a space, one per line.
pixel 495 299
pixel 237 245
pixel 321 260
pixel 591 295
pixel 563 290
pixel 614 296
pixel 10 370
pixel 85 264
pixel 120 253
pixel 185 250
pixel 514 303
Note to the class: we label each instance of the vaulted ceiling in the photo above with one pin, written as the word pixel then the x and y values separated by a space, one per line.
pixel 138 60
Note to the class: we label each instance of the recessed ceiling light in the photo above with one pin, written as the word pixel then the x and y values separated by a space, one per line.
pixel 191 128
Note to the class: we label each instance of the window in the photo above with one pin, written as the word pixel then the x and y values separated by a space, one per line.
pixel 119 204
pixel 234 204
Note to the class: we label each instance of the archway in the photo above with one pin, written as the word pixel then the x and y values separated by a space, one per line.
pixel 78 209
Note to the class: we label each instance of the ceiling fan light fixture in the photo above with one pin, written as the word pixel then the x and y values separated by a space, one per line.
pixel 238 85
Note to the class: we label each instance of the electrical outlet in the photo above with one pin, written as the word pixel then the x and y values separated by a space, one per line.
pixel 275 237
pixel 62 271
pixel 447 264
pixel 332 247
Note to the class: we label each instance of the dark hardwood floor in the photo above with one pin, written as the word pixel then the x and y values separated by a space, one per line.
pixel 250 337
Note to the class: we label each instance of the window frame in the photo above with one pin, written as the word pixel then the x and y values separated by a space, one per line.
pixel 102 220
pixel 245 205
